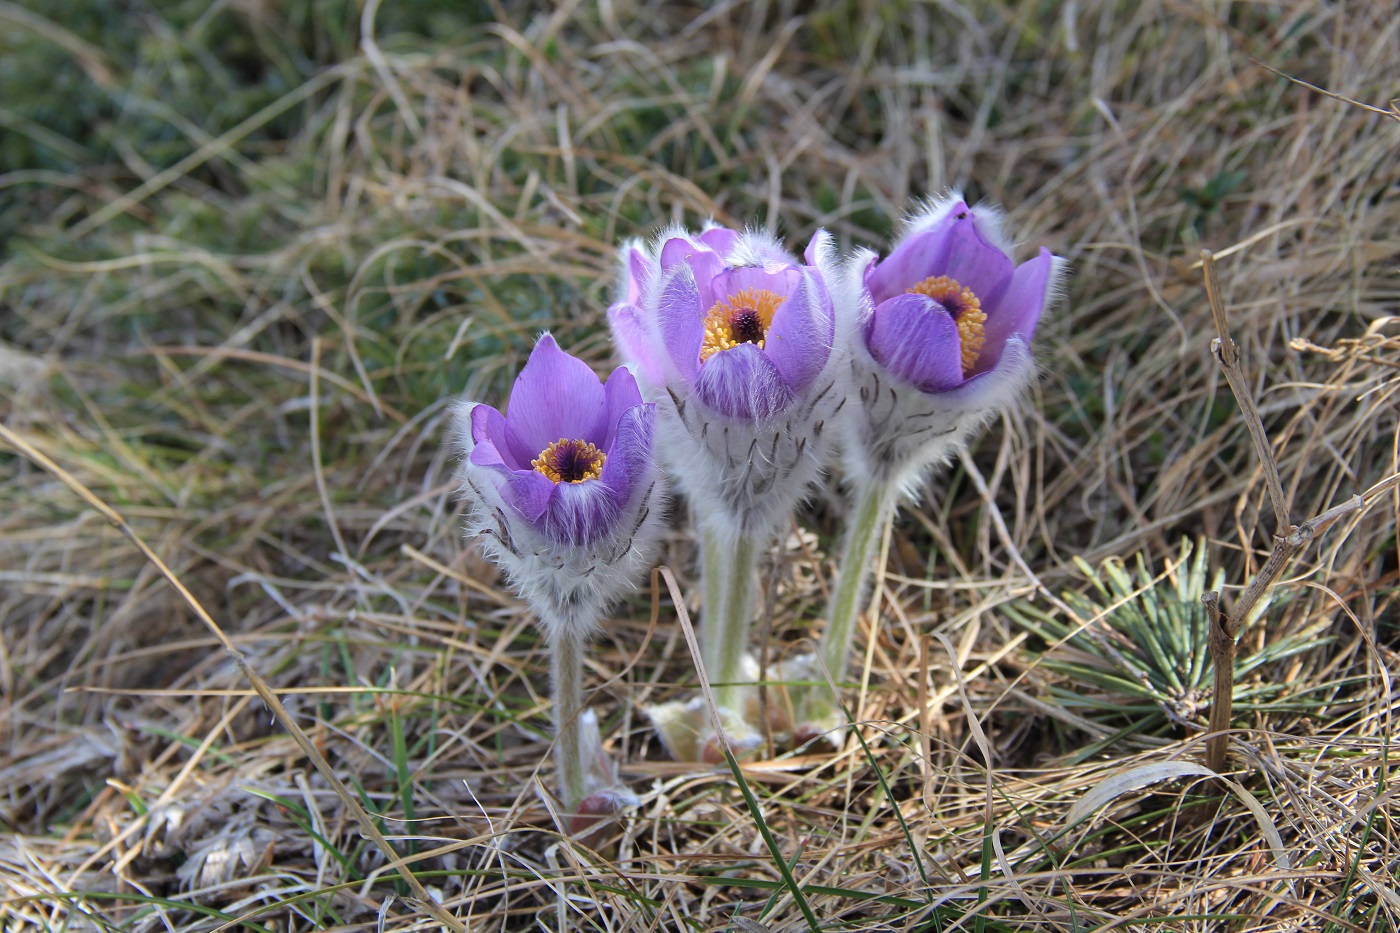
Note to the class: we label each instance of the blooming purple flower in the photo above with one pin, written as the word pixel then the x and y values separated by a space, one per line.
pixel 738 336
pixel 732 317
pixel 942 331
pixel 736 340
pixel 948 300
pixel 563 484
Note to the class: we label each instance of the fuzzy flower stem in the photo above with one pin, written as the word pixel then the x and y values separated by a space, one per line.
pixel 566 646
pixel 874 503
pixel 729 573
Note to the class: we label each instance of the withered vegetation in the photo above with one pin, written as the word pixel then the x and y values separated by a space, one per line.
pixel 249 251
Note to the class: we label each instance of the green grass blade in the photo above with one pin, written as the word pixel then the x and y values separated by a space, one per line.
pixel 783 869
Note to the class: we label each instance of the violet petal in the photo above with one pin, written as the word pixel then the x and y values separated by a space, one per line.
pixel 581 512
pixel 634 343
pixel 630 454
pixel 975 263
pixel 742 383
pixel 490 444
pixel 720 239
pixel 681 320
pixel 933 213
pixel 678 250
pixel 998 385
pixel 916 339
pixel 530 493
pixel 1019 307
pixel 638 275
pixel 912 261
pixel 800 339
pixel 621 393
pixel 703 262
pixel 555 396
pixel 783 281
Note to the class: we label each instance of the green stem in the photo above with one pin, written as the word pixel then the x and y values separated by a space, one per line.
pixel 874 503
pixel 729 571
pixel 566 666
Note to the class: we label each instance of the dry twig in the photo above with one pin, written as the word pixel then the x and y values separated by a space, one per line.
pixel 1289 539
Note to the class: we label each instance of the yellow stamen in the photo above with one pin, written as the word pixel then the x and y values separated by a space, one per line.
pixel 966 310
pixel 743 317
pixel 570 461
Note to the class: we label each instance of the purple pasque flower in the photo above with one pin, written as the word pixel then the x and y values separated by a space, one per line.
pixel 941 335
pixel 564 486
pixel 736 337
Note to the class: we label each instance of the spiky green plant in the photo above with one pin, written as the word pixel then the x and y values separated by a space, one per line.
pixel 1142 643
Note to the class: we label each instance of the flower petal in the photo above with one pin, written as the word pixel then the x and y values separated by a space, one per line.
pixel 917 258
pixel 638 274
pixel 703 263
pixel 800 339
pixel 621 393
pixel 634 343
pixel 629 456
pixel 530 493
pixel 821 250
pixel 720 239
pixel 555 396
pixel 973 262
pixel 916 339
pixel 580 513
pixel 680 317
pixel 490 439
pixel 678 250
pixel 742 383
pixel 931 213
pixel 783 281
pixel 997 386
pixel 1019 307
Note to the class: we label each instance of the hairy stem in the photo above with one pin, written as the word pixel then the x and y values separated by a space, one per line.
pixel 729 571
pixel 874 502
pixel 566 665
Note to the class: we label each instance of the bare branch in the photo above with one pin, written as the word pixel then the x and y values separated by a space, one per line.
pixel 1227 354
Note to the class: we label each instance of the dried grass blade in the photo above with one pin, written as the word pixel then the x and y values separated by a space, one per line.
pixel 265 693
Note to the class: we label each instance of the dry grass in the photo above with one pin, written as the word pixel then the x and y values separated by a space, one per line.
pixel 407 218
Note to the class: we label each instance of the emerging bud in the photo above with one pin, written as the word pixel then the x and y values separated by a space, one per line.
pixel 605 796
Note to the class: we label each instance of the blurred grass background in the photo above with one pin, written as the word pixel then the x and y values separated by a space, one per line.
pixel 220 219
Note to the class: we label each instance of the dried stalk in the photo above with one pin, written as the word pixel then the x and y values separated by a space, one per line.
pixel 1289 539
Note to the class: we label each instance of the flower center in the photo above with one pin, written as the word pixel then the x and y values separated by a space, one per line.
pixel 743 317
pixel 966 310
pixel 567 461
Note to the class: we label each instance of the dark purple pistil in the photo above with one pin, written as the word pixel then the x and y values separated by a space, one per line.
pixel 746 326
pixel 572 462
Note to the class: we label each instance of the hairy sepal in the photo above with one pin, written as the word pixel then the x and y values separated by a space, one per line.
pixel 894 432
